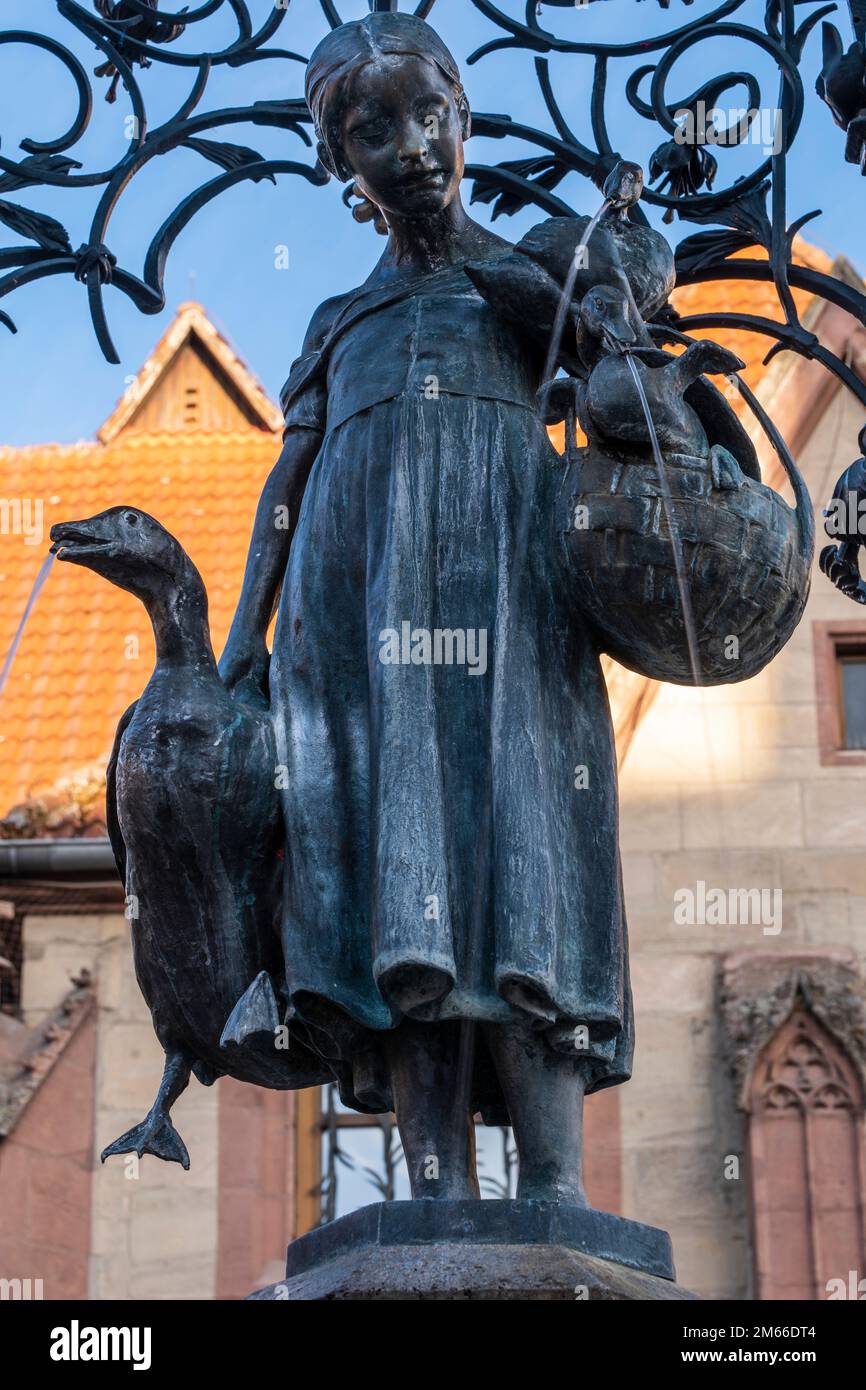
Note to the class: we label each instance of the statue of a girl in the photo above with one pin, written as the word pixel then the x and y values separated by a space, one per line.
pixel 454 932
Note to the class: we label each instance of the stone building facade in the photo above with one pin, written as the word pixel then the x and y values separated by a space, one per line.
pixel 747 787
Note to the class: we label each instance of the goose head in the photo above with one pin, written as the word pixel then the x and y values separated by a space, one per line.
pixel 623 186
pixel 127 547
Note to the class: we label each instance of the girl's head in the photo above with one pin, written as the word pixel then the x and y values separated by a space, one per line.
pixel 389 110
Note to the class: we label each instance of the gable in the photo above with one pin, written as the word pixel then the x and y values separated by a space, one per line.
pixel 192 382
pixel 192 393
pixel 191 442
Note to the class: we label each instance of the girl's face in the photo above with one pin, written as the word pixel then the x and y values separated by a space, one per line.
pixel 402 136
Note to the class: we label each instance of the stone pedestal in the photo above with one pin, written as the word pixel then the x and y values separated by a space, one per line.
pixel 488 1250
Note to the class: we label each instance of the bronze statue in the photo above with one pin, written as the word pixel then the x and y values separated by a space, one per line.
pixel 195 827
pixel 452 933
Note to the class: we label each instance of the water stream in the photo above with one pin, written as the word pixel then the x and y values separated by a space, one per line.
pixel 567 292
pixel 715 776
pixel 673 529
pixel 44 571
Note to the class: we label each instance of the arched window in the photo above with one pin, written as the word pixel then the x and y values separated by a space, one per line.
pixel 807 1165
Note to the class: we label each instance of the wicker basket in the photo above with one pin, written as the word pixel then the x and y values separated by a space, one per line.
pixel 746 554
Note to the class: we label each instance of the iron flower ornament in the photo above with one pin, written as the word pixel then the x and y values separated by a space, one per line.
pixel 842 85
pixel 141 21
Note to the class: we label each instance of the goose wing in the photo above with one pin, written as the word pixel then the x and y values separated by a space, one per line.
pixel 722 425
pixel 111 818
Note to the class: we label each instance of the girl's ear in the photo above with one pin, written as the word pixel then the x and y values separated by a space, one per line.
pixel 326 159
pixel 364 210
pixel 465 116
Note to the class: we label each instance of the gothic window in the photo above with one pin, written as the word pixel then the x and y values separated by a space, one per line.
pixel 852 697
pixel 806 1149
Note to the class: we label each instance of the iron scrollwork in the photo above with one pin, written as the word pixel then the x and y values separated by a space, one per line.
pixel 684 171
pixel 132 35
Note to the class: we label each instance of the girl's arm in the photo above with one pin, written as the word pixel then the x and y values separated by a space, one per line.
pixel 246 654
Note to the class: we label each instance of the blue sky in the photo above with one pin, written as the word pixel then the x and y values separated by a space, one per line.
pixel 55 383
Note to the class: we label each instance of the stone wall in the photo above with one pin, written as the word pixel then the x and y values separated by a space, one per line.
pixel 727 786
pixel 153 1227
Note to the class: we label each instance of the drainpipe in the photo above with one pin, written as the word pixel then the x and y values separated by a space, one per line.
pixel 33 858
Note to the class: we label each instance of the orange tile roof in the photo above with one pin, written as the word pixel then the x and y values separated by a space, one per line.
pixel 753 297
pixel 87 651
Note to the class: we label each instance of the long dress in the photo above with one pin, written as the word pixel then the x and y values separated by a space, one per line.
pixel 451 826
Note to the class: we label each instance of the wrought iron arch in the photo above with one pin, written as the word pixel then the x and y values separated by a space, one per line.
pixel 134 35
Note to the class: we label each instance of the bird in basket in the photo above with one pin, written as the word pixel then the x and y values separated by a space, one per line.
pixel 689 416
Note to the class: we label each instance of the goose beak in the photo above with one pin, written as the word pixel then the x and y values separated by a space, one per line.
pixel 77 541
pixel 624 184
pixel 619 339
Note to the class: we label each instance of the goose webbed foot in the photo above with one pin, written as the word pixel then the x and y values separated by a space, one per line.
pixel 156 1134
pixel 841 566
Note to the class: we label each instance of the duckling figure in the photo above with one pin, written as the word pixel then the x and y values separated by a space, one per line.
pixel 194 822
pixel 690 417
pixel 612 408
pixel 525 285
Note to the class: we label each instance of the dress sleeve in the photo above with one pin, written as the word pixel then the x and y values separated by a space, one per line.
pixel 304 398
